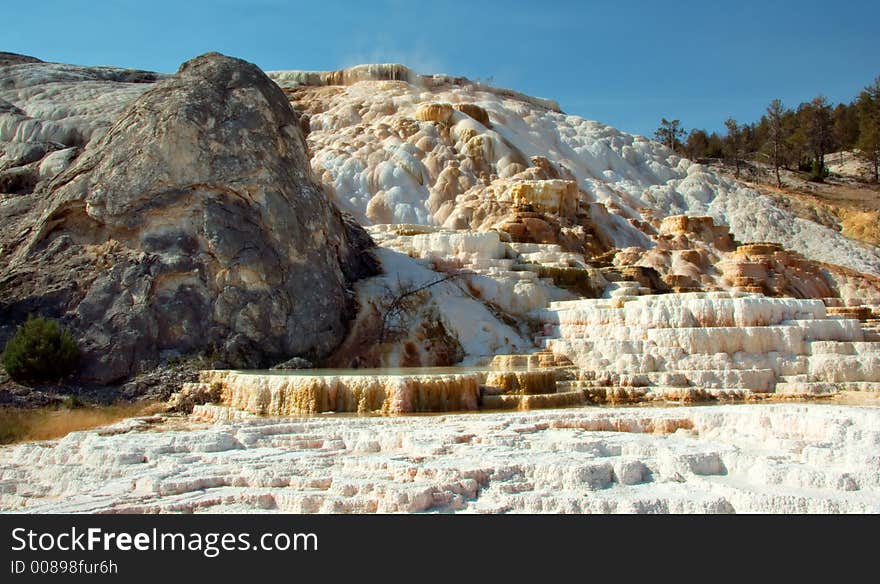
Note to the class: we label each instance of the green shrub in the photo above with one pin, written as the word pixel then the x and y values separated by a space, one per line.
pixel 40 351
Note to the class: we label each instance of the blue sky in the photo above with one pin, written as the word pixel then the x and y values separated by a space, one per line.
pixel 623 63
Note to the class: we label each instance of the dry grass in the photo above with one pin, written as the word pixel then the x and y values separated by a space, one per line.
pixel 20 425
pixel 861 225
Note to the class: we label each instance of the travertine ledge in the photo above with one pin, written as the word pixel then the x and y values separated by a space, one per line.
pixel 278 395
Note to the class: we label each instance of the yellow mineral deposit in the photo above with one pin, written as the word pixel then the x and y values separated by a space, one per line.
pixel 281 395
pixel 474 111
pixel 523 382
pixel 554 196
pixel 538 360
pixel 434 112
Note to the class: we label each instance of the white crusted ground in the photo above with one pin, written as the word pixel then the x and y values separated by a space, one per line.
pixel 779 458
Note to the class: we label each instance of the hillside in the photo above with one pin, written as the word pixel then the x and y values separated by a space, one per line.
pixel 444 173
pixel 390 244
pixel 845 201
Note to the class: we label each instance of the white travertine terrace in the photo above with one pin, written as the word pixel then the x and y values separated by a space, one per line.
pixel 777 458
pixel 477 328
pixel 674 347
pixel 376 391
pixel 496 275
pixel 714 341
pixel 465 246
pixel 505 273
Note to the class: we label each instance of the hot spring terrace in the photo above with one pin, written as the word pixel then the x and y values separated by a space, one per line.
pixel 657 348
pixel 383 391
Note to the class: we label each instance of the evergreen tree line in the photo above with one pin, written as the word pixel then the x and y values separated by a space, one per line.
pixel 790 138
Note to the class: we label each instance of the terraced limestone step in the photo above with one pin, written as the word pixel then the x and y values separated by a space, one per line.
pixel 867 386
pixel 804 385
pixel 626 395
pixel 531 402
pixel 539 360
pixel 862 313
pixel 529 382
pixel 843 348
pixel 716 341
pixel 627 348
pixel 755 380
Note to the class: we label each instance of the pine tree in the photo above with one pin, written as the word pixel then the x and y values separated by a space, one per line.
pixel 776 136
pixel 869 126
pixel 670 133
pixel 820 134
pixel 697 144
pixel 716 146
pixel 734 142
pixel 846 125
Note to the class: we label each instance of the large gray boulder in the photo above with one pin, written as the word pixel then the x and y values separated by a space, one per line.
pixel 192 225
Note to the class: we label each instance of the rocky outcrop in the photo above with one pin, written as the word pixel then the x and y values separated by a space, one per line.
pixel 770 269
pixel 192 225
pixel 702 229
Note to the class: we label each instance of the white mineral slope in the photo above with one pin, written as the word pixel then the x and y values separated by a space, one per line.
pixel 386 163
pixel 479 331
pixel 781 458
pixel 754 217
pixel 66 104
